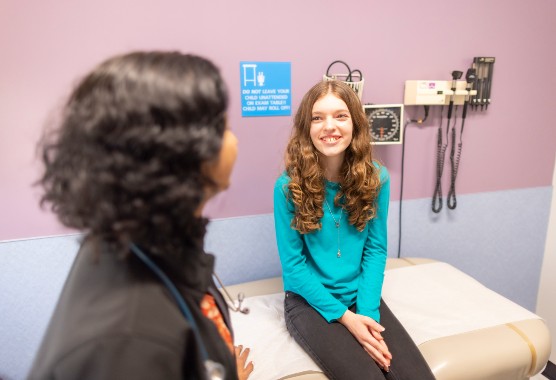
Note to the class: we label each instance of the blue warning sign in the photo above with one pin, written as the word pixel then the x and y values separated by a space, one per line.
pixel 265 88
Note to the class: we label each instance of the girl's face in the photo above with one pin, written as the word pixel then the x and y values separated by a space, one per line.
pixel 331 126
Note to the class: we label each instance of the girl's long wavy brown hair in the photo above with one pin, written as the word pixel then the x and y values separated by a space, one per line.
pixel 359 177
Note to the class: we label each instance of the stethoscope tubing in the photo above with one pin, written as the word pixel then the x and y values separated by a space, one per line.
pixel 175 293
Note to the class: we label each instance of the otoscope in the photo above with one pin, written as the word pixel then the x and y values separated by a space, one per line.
pixel 441 148
pixel 451 201
pixel 455 76
pixel 470 77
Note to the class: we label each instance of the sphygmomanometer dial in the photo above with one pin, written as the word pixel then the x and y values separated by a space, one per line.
pixel 385 123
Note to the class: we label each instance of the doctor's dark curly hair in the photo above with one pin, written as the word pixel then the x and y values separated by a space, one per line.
pixel 126 162
pixel 360 180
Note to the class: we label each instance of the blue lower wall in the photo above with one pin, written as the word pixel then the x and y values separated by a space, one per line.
pixel 498 238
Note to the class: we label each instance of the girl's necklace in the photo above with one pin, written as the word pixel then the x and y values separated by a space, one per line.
pixel 337 224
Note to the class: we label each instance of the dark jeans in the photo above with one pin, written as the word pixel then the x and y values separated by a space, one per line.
pixel 339 354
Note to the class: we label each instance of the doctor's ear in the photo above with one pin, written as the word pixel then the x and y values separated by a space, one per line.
pixel 220 169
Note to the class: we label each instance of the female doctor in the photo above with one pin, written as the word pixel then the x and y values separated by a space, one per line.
pixel 331 209
pixel 142 144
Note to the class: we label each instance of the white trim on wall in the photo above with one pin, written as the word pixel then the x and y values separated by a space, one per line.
pixel 546 307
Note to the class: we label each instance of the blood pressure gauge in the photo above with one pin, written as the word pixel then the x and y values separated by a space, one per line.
pixel 386 123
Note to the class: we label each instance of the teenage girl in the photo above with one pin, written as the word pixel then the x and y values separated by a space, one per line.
pixel 331 211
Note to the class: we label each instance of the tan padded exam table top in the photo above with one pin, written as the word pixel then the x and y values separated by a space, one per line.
pixel 515 350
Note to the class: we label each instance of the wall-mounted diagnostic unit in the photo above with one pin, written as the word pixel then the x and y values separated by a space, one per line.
pixel 435 92
pixel 386 123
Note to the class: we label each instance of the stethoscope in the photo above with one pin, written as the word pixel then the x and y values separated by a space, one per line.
pixel 213 370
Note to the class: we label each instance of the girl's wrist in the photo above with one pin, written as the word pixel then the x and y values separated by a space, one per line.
pixel 345 317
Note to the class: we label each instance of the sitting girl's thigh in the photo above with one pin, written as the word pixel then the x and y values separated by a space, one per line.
pixel 330 345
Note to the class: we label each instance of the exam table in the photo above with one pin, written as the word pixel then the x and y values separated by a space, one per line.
pixel 464 330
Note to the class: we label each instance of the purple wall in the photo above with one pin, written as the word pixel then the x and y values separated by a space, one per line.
pixel 46 46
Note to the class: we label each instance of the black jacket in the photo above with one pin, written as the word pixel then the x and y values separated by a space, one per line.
pixel 116 320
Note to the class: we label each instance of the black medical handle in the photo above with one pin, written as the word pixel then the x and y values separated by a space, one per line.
pixel 455 159
pixel 477 100
pixel 490 73
pixel 455 76
pixel 470 77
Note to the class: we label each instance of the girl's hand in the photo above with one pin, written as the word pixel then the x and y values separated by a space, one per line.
pixel 367 332
pixel 244 369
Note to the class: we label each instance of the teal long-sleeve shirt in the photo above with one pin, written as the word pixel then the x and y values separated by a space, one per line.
pixel 311 266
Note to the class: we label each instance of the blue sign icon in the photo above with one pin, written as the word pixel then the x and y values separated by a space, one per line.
pixel 265 88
